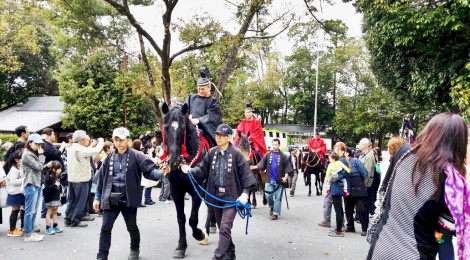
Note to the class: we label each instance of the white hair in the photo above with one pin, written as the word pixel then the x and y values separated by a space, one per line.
pixel 77 135
pixel 366 142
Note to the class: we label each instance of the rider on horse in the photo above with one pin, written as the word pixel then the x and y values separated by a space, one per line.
pixel 204 109
pixel 316 144
pixel 252 127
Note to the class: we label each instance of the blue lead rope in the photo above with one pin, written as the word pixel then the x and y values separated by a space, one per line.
pixel 244 211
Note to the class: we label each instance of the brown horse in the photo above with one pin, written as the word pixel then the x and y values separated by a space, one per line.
pixel 245 145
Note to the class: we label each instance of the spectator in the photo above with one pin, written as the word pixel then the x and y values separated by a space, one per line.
pixel 32 163
pixel 23 133
pixel 79 156
pixel 51 196
pixel 427 182
pixel 15 191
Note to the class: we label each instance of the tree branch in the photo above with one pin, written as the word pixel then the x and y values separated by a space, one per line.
pixel 272 22
pixel 232 3
pixel 322 24
pixel 190 48
pixel 126 12
pixel 270 36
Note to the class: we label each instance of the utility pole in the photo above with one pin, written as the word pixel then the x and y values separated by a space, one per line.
pixel 316 97
pixel 125 73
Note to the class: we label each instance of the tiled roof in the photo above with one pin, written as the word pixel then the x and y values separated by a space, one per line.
pixel 38 113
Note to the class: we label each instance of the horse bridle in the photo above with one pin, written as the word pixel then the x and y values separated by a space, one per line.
pixel 313 158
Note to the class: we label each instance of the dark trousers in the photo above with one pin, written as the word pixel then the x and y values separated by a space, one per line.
pixel 148 194
pixel 77 198
pixel 89 203
pixel 224 218
pixel 370 203
pixel 361 211
pixel 109 217
pixel 338 205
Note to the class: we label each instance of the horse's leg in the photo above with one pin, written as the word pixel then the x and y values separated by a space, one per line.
pixel 309 182
pixel 178 198
pixel 322 179
pixel 262 177
pixel 318 183
pixel 254 198
pixel 198 234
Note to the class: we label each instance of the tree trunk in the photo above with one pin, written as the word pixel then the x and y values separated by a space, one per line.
pixel 255 6
pixel 148 70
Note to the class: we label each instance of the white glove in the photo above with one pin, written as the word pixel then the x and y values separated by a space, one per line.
pixel 243 198
pixel 185 168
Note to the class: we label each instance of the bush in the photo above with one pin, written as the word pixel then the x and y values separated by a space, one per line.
pixel 7 138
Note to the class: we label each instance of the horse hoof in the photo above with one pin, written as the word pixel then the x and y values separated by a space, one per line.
pixel 253 206
pixel 179 253
pixel 205 240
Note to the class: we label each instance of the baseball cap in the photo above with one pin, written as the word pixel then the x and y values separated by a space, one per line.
pixel 224 129
pixel 35 138
pixel 121 132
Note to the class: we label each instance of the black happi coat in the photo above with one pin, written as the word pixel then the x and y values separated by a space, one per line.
pixel 283 166
pixel 207 110
pixel 238 179
pixel 139 164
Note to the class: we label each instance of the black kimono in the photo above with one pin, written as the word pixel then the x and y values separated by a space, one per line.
pixel 239 176
pixel 207 110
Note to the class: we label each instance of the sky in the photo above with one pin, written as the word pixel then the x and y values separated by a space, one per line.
pixel 150 18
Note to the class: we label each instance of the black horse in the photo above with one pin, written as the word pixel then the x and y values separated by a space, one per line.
pixel 245 145
pixel 183 144
pixel 313 164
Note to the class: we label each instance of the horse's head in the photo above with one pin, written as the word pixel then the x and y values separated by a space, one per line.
pixel 175 122
pixel 244 143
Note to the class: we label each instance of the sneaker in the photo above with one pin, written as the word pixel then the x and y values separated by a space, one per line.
pixel 165 202
pixel 58 229
pixel 363 233
pixel 274 217
pixel 149 203
pixel 33 238
pixel 37 235
pixel 213 230
pixel 336 234
pixel 346 193
pixel 350 230
pixel 324 224
pixel 50 231
pixel 80 225
pixel 134 255
pixel 15 233
pixel 88 218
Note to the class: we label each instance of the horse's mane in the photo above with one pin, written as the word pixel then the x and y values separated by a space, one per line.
pixel 244 143
pixel 192 139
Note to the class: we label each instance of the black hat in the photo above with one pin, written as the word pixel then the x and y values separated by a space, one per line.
pixel 248 107
pixel 205 76
pixel 224 129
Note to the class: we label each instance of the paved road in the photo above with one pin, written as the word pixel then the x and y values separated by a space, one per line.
pixel 295 235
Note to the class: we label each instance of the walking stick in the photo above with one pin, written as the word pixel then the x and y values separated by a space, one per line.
pixel 285 195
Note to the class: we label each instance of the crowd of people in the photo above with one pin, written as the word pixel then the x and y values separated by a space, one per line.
pixel 416 200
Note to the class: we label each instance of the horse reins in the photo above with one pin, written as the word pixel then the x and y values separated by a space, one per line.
pixel 313 158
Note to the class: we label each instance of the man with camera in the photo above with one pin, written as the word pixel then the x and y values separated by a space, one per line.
pixel 204 109
pixel 79 171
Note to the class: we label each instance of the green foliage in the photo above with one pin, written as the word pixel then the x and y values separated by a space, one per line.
pixel 27 55
pixel 95 96
pixel 8 138
pixel 419 48
pixel 373 114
